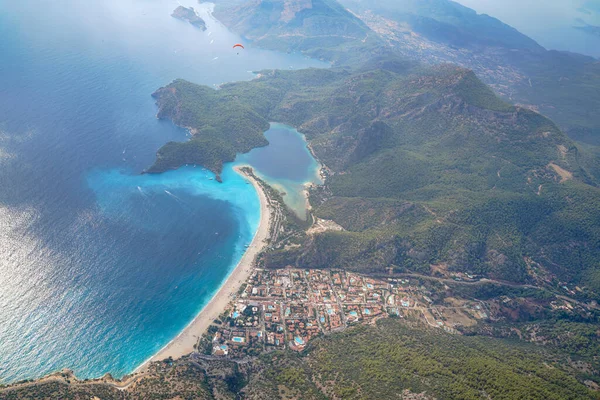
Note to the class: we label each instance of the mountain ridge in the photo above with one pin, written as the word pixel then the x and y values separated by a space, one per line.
pixel 475 168
pixel 440 31
pixel 519 69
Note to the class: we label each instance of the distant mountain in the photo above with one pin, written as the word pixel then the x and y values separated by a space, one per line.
pixel 449 22
pixel 320 28
pixel 563 86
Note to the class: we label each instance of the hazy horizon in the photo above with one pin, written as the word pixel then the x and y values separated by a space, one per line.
pixel 550 22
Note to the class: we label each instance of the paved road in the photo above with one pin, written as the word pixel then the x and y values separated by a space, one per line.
pixel 485 281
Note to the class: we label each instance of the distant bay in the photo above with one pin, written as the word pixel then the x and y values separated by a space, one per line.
pixel 101 266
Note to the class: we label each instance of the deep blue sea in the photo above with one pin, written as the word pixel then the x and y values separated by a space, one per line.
pixel 101 266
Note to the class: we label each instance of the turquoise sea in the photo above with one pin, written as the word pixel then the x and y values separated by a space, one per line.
pixel 101 266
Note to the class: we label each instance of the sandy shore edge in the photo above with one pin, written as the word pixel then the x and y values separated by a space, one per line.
pixel 184 343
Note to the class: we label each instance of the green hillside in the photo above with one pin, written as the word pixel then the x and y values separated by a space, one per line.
pixel 430 167
pixel 392 360
pixel 321 29
pixel 564 86
pixel 220 129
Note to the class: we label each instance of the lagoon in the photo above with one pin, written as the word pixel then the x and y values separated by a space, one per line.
pixel 285 164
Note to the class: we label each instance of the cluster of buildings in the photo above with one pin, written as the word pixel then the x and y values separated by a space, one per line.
pixel 286 308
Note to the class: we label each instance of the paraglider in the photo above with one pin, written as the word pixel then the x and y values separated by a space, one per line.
pixel 238 45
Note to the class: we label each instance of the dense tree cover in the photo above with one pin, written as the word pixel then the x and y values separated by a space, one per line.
pixel 578 338
pixel 221 127
pixel 56 390
pixel 429 166
pixel 493 290
pixel 282 375
pixel 380 362
pixel 575 335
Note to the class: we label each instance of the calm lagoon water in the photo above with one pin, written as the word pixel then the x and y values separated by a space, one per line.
pixel 286 164
pixel 101 266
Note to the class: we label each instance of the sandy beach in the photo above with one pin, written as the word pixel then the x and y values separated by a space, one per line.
pixel 184 343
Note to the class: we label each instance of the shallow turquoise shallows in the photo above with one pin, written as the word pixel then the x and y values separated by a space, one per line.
pixel 101 266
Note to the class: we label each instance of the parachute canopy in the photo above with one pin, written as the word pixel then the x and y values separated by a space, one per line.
pixel 238 45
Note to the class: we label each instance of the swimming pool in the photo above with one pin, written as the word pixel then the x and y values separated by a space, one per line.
pixel 237 339
pixel 298 340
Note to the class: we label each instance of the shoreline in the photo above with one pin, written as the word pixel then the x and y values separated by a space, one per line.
pixel 183 344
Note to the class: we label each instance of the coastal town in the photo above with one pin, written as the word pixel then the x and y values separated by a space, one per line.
pixel 286 308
